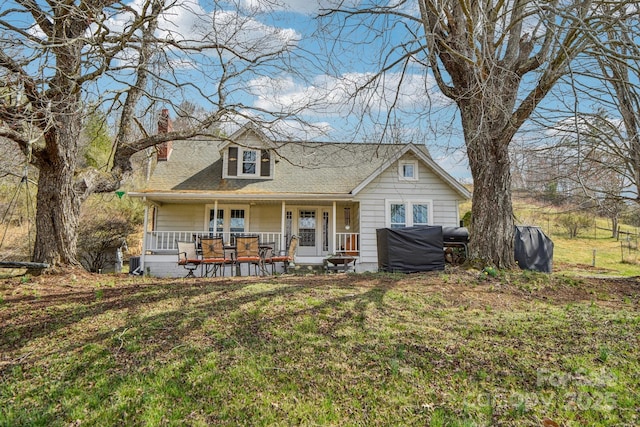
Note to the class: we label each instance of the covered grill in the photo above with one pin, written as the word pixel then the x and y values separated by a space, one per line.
pixel 410 249
pixel 455 240
pixel 455 235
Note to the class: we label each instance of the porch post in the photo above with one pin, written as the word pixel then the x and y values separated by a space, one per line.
pixel 215 217
pixel 283 226
pixel 144 235
pixel 333 227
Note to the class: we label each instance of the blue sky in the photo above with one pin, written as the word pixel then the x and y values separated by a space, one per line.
pixel 313 76
pixel 320 87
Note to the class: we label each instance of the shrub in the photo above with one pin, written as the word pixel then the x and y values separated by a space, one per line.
pixel 105 224
pixel 574 223
pixel 99 238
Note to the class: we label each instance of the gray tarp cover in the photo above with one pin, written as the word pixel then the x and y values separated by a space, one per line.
pixel 410 249
pixel 533 249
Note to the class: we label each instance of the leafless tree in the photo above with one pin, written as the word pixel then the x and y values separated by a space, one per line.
pixel 497 61
pixel 621 73
pixel 599 146
pixel 59 59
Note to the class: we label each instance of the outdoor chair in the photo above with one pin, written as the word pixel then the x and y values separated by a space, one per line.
pixel 248 252
pixel 188 257
pixel 284 257
pixel 214 256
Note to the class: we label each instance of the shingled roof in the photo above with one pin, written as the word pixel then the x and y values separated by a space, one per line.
pixel 195 167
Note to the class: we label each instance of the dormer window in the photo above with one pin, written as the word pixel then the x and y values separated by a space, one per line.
pixel 249 161
pixel 252 163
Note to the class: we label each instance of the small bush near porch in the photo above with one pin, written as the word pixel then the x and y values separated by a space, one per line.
pixel 453 348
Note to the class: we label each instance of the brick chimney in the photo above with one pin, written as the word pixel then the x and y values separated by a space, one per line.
pixel 164 126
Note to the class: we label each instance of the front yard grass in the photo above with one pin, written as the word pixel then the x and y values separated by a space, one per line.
pixel 452 348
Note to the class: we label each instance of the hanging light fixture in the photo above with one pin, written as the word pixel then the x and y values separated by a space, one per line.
pixel 347 218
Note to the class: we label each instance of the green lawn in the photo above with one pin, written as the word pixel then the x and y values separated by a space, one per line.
pixel 595 256
pixel 453 348
pixel 593 252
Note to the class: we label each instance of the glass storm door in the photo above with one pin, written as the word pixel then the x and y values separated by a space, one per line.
pixel 307 232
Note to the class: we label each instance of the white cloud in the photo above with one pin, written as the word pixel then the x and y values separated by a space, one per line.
pixel 456 164
pixel 306 7
pixel 188 24
pixel 295 130
pixel 281 130
pixel 333 96
pixel 585 125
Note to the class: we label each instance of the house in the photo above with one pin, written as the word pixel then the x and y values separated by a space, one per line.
pixel 333 196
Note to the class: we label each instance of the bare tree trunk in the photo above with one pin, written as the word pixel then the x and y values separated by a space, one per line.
pixel 491 205
pixel 485 120
pixel 58 201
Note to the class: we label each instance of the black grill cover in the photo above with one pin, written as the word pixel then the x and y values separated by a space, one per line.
pixel 533 249
pixel 410 249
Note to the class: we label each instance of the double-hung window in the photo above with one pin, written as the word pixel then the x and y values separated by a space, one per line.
pixel 408 213
pixel 249 162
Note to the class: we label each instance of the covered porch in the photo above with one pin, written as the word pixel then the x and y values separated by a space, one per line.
pixel 323 228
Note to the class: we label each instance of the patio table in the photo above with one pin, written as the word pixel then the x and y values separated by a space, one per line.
pixel 339 263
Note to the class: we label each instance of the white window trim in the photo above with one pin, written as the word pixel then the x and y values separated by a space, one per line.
pixel 408 209
pixel 238 171
pixel 226 225
pixel 401 165
pixel 241 151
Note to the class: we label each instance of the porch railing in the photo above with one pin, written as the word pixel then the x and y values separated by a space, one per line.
pixel 348 243
pixel 165 241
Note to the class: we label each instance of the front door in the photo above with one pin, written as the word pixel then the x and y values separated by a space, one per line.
pixel 313 231
pixel 307 232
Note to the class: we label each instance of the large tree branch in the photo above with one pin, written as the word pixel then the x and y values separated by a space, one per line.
pixel 434 32
pixel 29 85
pixel 39 16
pixel 616 70
pixel 15 136
pixel 122 164
pixel 573 43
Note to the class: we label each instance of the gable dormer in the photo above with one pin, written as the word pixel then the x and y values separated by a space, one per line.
pixel 248 156
pixel 247 163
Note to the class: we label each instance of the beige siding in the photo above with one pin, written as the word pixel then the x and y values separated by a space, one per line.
pixel 340 217
pixel 175 217
pixel 265 218
pixel 387 186
pixel 249 139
